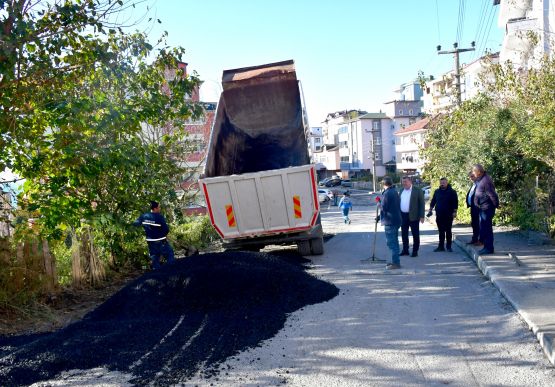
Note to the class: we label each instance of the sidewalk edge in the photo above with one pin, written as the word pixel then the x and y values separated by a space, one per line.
pixel 546 339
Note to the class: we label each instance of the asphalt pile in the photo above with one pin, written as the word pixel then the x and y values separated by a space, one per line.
pixel 170 324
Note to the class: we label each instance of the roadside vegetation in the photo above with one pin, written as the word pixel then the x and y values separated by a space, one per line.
pixel 90 118
pixel 510 129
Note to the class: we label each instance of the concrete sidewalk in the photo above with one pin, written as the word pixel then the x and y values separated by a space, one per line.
pixel 523 269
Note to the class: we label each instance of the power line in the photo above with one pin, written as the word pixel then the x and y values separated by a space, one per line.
pixel 457 37
pixel 460 23
pixel 488 31
pixel 437 19
pixel 480 22
pixel 482 32
pixel 463 19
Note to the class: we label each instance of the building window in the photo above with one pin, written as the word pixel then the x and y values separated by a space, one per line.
pixel 400 112
pixel 378 141
pixel 375 125
pixel 378 156
pixel 344 144
pixel 317 140
pixel 344 159
pixel 411 112
pixel 342 129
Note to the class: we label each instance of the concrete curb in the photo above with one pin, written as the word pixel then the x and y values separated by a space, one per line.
pixel 546 339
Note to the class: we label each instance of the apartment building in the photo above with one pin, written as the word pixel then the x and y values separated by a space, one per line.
pixel 529 31
pixel 408 143
pixel 342 152
pixel 439 95
pixel 315 139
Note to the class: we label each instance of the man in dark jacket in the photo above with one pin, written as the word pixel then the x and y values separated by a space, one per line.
pixel 391 220
pixel 474 212
pixel 446 202
pixel 156 230
pixel 486 199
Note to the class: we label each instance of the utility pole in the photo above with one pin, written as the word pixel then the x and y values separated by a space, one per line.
pixel 373 153
pixel 455 53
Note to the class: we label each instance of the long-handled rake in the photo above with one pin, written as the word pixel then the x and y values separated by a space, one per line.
pixel 373 258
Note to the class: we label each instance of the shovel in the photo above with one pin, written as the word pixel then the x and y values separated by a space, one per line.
pixel 373 258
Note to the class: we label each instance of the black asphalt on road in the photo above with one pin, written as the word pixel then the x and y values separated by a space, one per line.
pixel 174 323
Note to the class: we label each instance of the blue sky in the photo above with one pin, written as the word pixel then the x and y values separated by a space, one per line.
pixel 349 55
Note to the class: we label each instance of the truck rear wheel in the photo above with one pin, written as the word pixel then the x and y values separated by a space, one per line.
pixel 317 246
pixel 303 247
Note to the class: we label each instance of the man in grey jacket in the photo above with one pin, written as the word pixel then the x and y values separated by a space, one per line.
pixel 412 212
pixel 391 220
pixel 486 199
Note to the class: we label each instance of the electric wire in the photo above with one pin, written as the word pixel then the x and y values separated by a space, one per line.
pixel 485 42
pixel 463 17
pixel 459 22
pixel 481 36
pixel 480 24
pixel 437 19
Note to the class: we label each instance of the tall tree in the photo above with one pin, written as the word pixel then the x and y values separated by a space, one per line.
pixel 76 93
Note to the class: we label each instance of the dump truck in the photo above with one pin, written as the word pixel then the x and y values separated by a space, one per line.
pixel 258 183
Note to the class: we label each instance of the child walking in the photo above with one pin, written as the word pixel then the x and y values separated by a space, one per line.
pixel 345 205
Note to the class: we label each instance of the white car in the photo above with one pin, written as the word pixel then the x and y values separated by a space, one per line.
pixel 326 192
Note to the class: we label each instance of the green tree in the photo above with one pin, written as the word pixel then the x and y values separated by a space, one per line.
pixel 76 96
pixel 509 129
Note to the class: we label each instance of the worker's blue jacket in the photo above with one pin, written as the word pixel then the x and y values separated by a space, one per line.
pixel 155 226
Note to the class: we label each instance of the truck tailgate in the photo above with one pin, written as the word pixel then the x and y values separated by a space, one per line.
pixel 262 203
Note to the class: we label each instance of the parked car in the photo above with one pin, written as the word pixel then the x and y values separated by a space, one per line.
pixel 322 183
pixel 333 181
pixel 346 183
pixel 327 192
pixel 426 190
pixel 322 197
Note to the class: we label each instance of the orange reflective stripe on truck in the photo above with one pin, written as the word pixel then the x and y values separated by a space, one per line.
pixel 230 216
pixel 297 206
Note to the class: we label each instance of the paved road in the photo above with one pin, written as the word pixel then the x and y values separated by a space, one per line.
pixel 435 322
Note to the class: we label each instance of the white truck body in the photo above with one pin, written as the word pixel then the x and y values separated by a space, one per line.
pixel 262 203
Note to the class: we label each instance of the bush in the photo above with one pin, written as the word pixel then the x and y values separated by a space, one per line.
pixel 196 231
pixel 62 255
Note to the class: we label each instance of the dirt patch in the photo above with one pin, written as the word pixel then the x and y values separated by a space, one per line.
pixel 63 308
pixel 168 325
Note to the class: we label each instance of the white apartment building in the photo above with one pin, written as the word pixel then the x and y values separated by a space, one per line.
pixel 342 152
pixel 440 94
pixel 315 139
pixel 529 31
pixel 408 143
